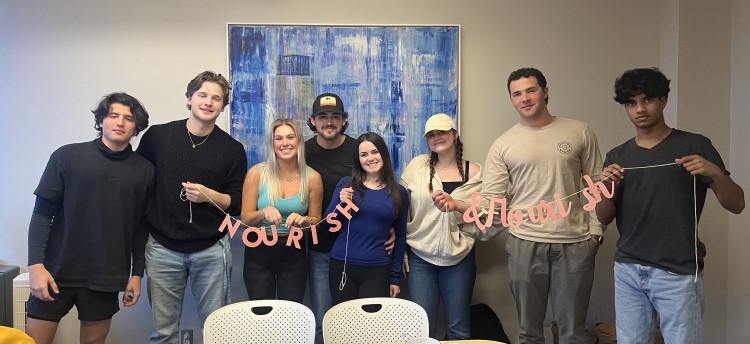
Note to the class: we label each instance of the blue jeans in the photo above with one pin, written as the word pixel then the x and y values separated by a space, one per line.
pixel 168 271
pixel 320 292
pixel 641 292
pixel 454 284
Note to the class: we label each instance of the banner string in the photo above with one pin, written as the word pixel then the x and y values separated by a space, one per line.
pixel 183 197
pixel 484 211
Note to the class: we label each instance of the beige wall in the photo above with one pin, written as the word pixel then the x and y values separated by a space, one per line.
pixel 58 58
pixel 738 256
pixel 703 79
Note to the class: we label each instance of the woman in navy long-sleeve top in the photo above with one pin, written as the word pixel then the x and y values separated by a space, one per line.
pixel 359 266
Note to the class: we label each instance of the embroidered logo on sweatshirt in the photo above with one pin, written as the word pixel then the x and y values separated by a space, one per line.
pixel 564 147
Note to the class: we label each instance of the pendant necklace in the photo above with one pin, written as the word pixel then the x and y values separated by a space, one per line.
pixel 190 136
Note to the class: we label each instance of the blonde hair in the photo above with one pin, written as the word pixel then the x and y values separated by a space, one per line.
pixel 271 176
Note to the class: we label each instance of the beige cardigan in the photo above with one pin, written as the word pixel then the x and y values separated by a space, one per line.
pixel 439 238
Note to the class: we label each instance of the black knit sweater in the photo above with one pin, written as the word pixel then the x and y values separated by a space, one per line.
pixel 218 163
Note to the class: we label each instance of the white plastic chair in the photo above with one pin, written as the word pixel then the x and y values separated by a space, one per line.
pixel 251 322
pixel 392 320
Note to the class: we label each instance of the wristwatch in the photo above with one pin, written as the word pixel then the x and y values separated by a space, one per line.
pixel 598 238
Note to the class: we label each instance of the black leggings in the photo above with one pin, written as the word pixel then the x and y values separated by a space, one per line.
pixel 361 281
pixel 272 270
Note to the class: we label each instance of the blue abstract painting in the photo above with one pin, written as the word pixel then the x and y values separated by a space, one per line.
pixel 390 78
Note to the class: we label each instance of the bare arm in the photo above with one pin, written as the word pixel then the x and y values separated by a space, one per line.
pixel 315 211
pixel 250 214
pixel 730 195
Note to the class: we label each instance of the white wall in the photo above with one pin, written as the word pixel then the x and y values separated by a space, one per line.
pixel 59 58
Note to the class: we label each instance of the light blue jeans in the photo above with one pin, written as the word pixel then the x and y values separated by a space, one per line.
pixel 454 284
pixel 641 292
pixel 320 292
pixel 168 271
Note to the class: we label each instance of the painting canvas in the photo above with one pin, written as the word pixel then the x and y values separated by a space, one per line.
pixel 390 78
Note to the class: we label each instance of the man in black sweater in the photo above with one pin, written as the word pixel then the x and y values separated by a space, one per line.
pixel 199 168
pixel 84 229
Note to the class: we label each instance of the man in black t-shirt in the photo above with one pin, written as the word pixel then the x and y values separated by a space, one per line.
pixel 659 259
pixel 331 153
pixel 85 242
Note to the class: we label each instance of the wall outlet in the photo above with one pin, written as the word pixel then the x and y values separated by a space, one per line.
pixel 186 336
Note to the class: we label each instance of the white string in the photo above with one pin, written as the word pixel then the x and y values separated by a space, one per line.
pixel 346 254
pixel 183 197
pixel 695 218
pixel 640 167
pixel 485 212
pixel 695 209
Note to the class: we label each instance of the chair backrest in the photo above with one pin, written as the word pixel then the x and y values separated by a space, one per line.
pixel 375 320
pixel 261 321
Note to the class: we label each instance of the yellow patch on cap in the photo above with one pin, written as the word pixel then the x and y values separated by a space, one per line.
pixel 328 101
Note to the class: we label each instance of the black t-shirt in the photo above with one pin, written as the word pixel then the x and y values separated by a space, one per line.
pixel 332 164
pixel 99 197
pixel 655 207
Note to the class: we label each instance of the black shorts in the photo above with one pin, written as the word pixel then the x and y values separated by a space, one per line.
pixel 92 305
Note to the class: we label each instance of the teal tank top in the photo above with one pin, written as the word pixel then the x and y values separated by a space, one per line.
pixel 285 206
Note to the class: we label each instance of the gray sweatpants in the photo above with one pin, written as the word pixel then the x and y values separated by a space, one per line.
pixel 562 273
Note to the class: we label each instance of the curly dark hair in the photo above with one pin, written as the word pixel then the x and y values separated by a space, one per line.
pixel 529 72
pixel 136 108
pixel 649 81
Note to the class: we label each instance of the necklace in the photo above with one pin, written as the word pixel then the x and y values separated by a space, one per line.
pixel 290 179
pixel 448 166
pixel 190 136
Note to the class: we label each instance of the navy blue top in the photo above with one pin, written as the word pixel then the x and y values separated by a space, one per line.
pixel 370 229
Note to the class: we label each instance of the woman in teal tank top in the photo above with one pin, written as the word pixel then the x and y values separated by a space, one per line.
pixel 279 194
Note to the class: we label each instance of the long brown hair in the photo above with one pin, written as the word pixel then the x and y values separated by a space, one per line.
pixel 385 176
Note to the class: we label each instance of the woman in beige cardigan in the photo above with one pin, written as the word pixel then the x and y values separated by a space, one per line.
pixel 440 256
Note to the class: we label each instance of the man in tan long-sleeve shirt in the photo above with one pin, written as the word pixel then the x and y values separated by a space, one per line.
pixel 552 250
